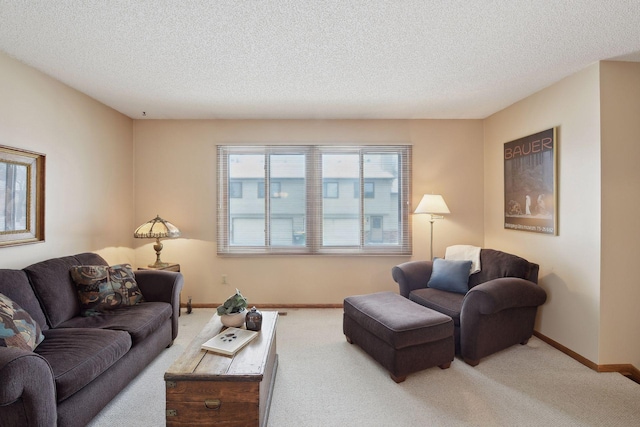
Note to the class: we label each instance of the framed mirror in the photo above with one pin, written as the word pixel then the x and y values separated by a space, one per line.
pixel 21 196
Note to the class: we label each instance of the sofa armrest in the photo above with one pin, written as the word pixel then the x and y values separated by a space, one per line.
pixel 27 389
pixel 503 293
pixel 163 286
pixel 412 275
pixel 160 285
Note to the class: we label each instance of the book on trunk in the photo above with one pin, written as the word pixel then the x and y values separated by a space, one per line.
pixel 229 341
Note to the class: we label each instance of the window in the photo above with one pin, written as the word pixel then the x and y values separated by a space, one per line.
pixel 331 190
pixel 260 189
pixel 235 190
pixel 369 190
pixel 306 211
pixel 276 190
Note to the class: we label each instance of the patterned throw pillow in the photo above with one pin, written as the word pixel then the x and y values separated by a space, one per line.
pixel 17 328
pixel 102 288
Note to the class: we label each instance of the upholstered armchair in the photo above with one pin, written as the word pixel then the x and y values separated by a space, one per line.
pixel 496 309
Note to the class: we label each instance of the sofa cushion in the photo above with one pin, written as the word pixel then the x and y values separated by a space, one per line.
pixel 15 285
pixel 77 356
pixel 497 264
pixel 448 275
pixel 449 303
pixel 54 287
pixel 17 327
pixel 102 288
pixel 139 321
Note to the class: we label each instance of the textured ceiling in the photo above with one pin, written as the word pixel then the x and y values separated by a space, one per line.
pixel 315 59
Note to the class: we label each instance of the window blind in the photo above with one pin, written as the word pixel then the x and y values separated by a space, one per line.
pixel 313 199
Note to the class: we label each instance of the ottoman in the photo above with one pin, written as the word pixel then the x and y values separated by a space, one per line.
pixel 401 335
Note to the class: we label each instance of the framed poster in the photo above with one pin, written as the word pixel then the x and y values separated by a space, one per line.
pixel 530 193
pixel 21 196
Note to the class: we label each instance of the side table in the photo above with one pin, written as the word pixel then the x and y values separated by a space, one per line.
pixel 170 267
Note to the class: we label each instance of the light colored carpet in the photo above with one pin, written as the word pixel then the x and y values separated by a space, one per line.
pixel 324 381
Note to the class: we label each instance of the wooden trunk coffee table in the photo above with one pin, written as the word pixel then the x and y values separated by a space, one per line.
pixel 204 388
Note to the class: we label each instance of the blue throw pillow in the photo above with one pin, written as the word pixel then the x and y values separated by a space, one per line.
pixel 452 276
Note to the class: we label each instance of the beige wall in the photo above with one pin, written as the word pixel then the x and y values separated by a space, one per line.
pixel 620 290
pixel 569 262
pixel 92 152
pixel 88 147
pixel 175 176
pixel 586 269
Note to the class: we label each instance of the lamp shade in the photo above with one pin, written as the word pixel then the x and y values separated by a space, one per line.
pixel 432 204
pixel 156 228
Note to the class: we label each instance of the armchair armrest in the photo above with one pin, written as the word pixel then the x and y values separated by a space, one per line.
pixel 163 286
pixel 27 389
pixel 412 275
pixel 506 292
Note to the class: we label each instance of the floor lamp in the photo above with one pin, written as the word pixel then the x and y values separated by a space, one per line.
pixel 434 205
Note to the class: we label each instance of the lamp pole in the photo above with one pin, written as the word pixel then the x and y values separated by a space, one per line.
pixel 431 220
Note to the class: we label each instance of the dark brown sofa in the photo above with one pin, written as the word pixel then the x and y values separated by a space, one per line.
pixel 83 362
pixel 498 311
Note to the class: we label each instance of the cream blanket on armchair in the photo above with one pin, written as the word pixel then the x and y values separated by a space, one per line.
pixel 465 253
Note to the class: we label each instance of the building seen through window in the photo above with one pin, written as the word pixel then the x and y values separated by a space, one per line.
pixel 322 199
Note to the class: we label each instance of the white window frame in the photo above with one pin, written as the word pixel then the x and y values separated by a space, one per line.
pixel 314 201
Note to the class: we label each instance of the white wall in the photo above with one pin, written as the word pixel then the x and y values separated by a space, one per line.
pixel 569 262
pixel 175 176
pixel 89 165
pixel 620 316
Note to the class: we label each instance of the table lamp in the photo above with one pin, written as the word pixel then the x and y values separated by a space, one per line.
pixel 155 229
